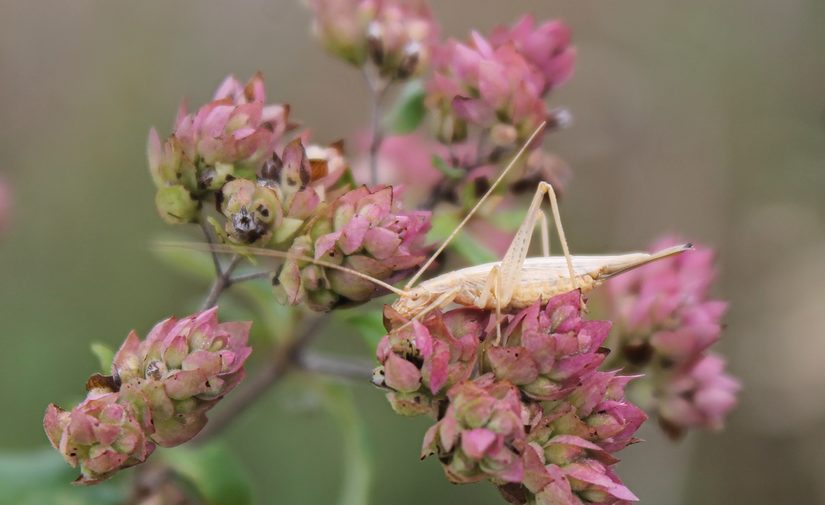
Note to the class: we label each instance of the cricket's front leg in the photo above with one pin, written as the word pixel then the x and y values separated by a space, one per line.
pixel 492 289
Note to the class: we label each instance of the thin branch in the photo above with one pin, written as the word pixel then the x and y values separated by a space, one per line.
pixel 221 282
pixel 211 240
pixel 284 358
pixel 360 370
pixel 378 89
pixel 251 276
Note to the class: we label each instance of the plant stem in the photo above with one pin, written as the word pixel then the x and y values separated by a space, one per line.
pixel 222 281
pixel 249 277
pixel 378 88
pixel 215 260
pixel 284 357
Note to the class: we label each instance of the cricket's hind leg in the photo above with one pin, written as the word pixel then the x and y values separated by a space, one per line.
pixel 545 235
pixel 513 261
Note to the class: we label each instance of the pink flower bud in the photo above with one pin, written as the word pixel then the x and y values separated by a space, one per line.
pixel 363 230
pixel 100 435
pixel 476 437
pixel 548 351
pixel 180 372
pixel 395 36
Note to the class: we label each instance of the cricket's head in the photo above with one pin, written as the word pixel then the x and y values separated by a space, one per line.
pixel 413 302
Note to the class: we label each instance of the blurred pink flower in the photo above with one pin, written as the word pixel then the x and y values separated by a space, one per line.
pixel 393 35
pixel 666 321
pixel 546 46
pixel 499 83
pixel 667 303
pixel 483 85
pixel 699 395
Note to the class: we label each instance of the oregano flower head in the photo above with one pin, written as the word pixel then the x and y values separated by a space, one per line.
pixel 230 137
pixel 100 435
pixel 158 394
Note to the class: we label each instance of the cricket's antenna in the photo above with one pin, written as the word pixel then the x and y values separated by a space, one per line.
pixel 476 207
pixel 257 251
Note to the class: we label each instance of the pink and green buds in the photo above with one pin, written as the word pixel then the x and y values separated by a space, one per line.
pixel 568 454
pixel 101 435
pixel 180 371
pixel 547 351
pixel 159 392
pixel 568 470
pixel 394 36
pixel 420 361
pixel 362 230
pixel 228 138
pixel 289 190
pixel 477 436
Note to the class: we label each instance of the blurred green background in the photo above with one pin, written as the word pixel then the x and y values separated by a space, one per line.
pixel 705 118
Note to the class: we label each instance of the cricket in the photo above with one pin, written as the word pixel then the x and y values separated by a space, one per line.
pixel 513 283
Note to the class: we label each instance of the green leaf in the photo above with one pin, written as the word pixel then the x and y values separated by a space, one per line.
pixel 369 324
pixel 276 320
pixel 104 355
pixel 509 219
pixel 357 479
pixel 195 264
pixel 41 477
pixel 448 170
pixel 408 111
pixel 464 244
pixel 213 472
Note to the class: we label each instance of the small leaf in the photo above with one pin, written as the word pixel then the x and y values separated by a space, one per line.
pixel 464 244
pixel 369 324
pixel 357 478
pixel 40 476
pixel 449 171
pixel 195 264
pixel 409 110
pixel 213 472
pixel 104 355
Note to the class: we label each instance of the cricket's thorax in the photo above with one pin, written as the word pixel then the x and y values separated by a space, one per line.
pixel 540 279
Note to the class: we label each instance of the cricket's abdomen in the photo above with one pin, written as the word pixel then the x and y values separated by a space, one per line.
pixel 528 292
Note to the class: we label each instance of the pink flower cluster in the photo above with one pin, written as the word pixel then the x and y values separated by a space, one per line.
pixel 230 137
pixel 395 36
pixel 666 321
pixel 296 199
pixel 158 394
pixel 499 84
pixel 532 413
pixel 363 230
